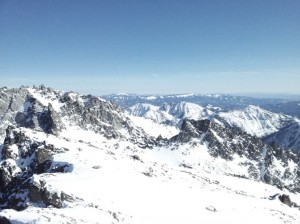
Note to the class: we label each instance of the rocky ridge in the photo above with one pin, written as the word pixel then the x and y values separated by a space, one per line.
pixel 49 111
pixel 270 164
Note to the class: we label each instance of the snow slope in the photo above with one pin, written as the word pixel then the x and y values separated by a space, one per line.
pixel 113 187
pixel 154 129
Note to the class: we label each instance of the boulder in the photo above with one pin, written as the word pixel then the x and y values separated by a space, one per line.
pixel 4 220
pixel 8 170
pixel 285 199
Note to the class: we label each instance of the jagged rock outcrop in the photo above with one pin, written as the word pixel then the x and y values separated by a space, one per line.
pixel 271 164
pixel 48 110
pixel 191 129
pixel 39 117
pixel 92 113
pixel 23 157
pixel 40 192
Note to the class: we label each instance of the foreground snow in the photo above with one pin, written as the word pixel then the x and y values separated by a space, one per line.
pixel 114 181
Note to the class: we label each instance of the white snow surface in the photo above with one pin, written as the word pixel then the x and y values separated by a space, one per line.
pixel 112 187
pixel 172 114
pixel 154 129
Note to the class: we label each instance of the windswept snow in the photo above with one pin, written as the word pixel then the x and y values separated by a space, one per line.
pixel 161 185
pixel 116 179
pixel 154 129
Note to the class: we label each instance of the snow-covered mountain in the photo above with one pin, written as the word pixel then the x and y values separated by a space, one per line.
pixel 235 112
pixel 69 158
pixel 255 120
pixel 226 102
pixel 170 114
pixel 252 119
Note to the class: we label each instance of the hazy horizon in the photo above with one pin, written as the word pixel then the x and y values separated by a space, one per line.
pixel 283 96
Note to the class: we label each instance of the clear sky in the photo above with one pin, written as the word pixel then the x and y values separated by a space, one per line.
pixel 152 46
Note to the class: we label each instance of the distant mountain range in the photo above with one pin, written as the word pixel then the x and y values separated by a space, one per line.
pixel 225 102
pixel 256 116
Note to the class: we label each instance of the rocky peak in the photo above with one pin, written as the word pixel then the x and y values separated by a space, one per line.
pixel 192 129
pixel 44 109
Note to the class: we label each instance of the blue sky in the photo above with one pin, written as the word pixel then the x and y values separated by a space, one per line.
pixel 159 46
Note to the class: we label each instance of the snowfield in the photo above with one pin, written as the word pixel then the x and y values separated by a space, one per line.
pixel 115 181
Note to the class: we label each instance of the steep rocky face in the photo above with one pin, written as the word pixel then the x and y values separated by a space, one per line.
pixel 19 107
pixel 287 137
pixel 92 112
pixel 11 101
pixel 39 117
pixel 271 164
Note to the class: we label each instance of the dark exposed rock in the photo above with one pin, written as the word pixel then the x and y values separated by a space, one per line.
pixel 4 220
pixel 39 117
pixel 191 129
pixel 8 170
pixel 136 157
pixel 285 199
pixel 51 121
pixel 39 192
pixel 42 155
